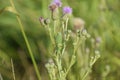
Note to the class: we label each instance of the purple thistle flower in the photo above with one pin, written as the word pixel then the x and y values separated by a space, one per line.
pixel 67 10
pixel 57 2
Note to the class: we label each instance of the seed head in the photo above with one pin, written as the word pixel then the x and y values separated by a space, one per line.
pixel 78 24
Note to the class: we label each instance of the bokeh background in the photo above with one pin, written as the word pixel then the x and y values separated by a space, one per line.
pixel 102 19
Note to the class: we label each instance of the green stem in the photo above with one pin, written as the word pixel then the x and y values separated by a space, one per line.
pixel 54 27
pixel 85 75
pixel 13 70
pixel 76 46
pixel 27 44
pixel 63 50
pixel 74 51
pixel 69 68
pixel 66 23
pixel 51 36
pixel 29 49
pixel 58 66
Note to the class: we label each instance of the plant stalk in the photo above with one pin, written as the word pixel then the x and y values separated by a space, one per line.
pixel 27 43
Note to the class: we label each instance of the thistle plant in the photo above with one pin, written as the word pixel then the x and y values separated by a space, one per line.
pixel 70 50
pixel 66 62
pixel 60 35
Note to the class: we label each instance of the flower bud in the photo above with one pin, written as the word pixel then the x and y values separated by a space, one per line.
pixel 41 19
pixel 44 21
pixel 97 53
pixel 84 32
pixel 47 21
pixel 98 40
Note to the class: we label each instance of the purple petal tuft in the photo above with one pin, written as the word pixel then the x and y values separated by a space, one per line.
pixel 67 10
pixel 58 3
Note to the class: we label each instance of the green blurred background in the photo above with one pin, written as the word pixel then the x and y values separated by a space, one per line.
pixel 102 19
